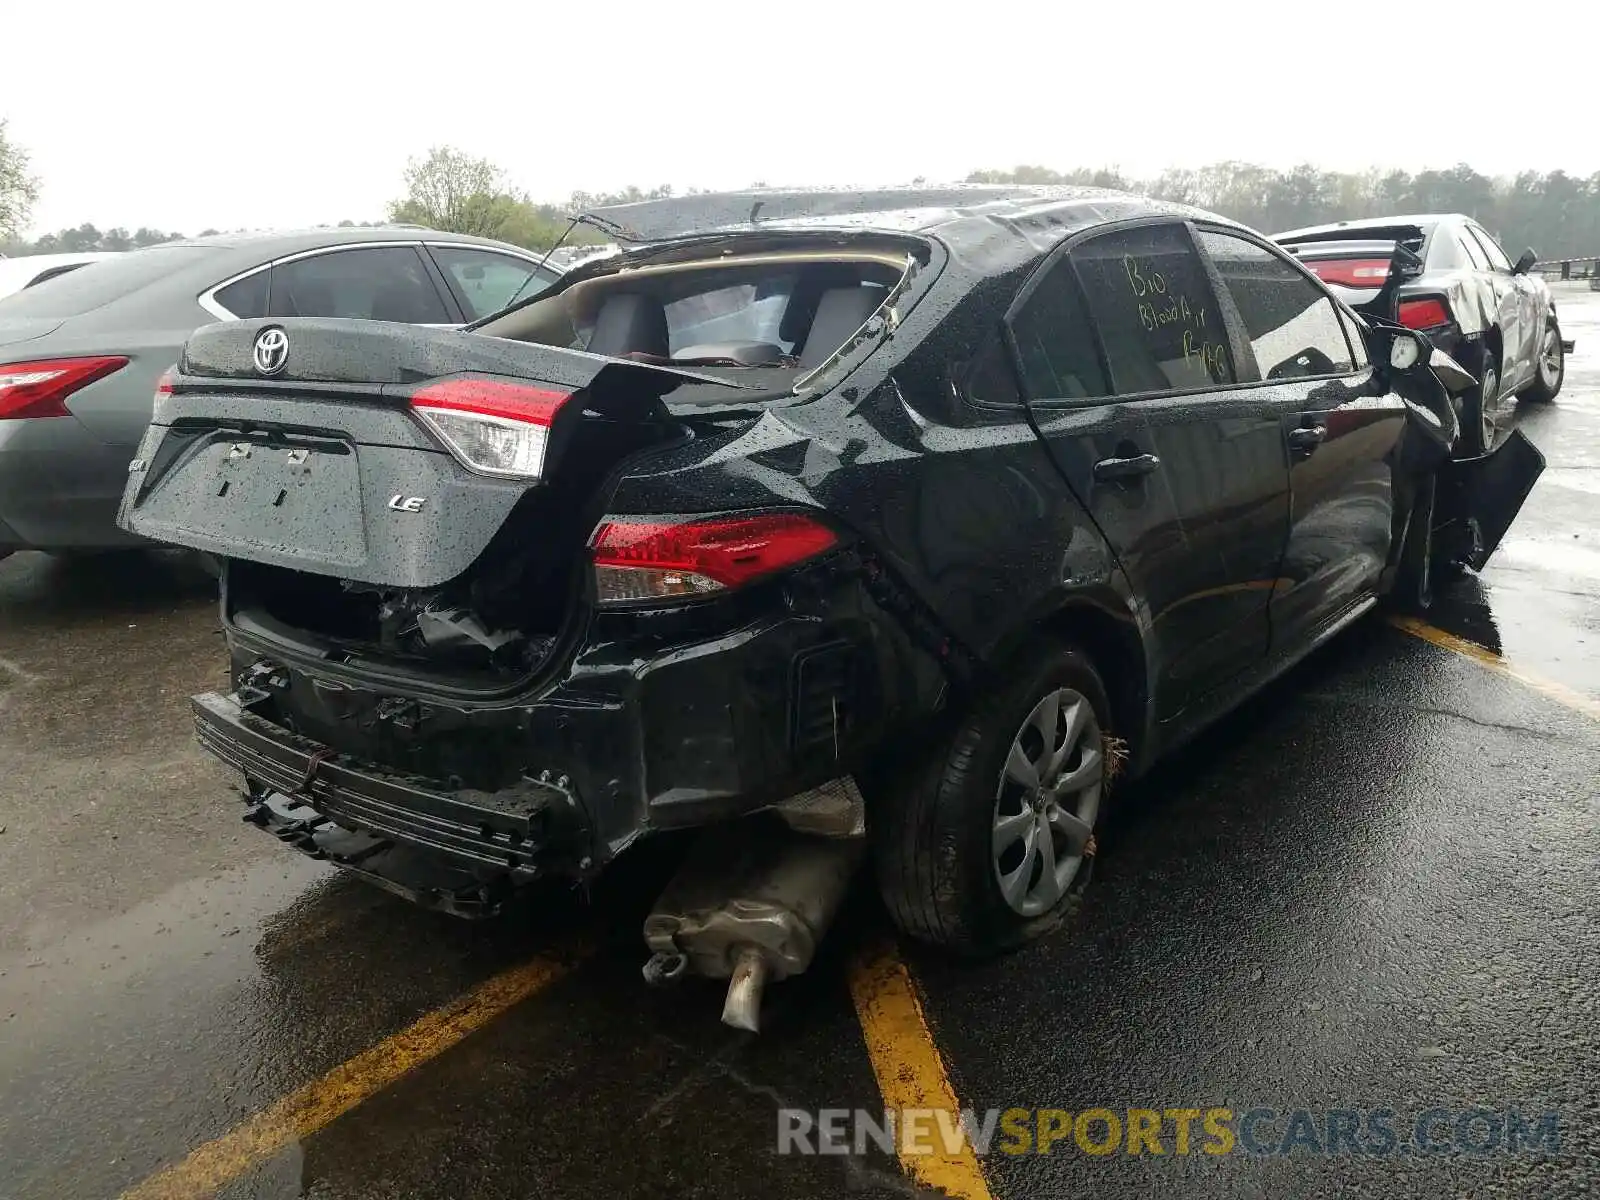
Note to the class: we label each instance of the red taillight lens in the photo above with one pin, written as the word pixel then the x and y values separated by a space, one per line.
pixel 41 388
pixel 164 384
pixel 1423 314
pixel 636 559
pixel 494 427
pixel 1351 272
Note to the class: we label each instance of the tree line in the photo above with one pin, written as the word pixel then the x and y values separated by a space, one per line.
pixel 1556 214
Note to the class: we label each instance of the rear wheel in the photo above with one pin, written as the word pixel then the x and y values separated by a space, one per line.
pixel 1551 370
pixel 1479 424
pixel 982 848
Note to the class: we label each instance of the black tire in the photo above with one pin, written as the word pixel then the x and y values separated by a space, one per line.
pixel 1550 372
pixel 1422 563
pixel 1478 412
pixel 934 830
pixel 1413 582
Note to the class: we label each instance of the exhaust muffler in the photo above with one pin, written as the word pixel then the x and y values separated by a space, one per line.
pixel 753 898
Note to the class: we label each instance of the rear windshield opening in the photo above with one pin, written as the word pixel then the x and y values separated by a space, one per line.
pixel 783 313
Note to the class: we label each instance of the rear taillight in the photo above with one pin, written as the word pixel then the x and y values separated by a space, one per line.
pixel 1352 272
pixel 41 388
pixel 164 384
pixel 1423 314
pixel 641 559
pixel 493 427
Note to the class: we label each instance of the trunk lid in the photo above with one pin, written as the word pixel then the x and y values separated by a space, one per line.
pixel 22 329
pixel 324 467
pixel 1363 266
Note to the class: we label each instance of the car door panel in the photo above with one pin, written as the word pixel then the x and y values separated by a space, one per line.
pixel 1337 437
pixel 1223 477
pixel 1511 312
pixel 1189 488
pixel 1341 490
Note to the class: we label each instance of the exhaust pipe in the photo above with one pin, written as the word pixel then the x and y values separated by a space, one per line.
pixel 751 902
pixel 742 1006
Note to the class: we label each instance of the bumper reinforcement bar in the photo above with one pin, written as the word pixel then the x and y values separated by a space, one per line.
pixel 462 852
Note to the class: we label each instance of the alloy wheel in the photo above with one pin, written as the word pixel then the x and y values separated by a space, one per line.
pixel 1047 801
pixel 1550 354
pixel 1489 392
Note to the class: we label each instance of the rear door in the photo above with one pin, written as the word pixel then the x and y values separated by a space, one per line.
pixel 1315 381
pixel 1505 306
pixel 1129 374
pixel 1522 319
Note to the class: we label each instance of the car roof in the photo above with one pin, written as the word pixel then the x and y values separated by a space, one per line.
pixel 16 273
pixel 166 278
pixel 277 243
pixel 1004 224
pixel 55 260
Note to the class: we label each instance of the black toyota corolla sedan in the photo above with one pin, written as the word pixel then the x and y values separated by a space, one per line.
pixel 958 505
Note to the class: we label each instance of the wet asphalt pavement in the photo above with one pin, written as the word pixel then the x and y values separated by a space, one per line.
pixel 1373 887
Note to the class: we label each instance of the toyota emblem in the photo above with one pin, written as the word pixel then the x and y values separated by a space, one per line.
pixel 272 350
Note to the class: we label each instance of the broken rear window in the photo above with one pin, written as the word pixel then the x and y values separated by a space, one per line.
pixel 785 311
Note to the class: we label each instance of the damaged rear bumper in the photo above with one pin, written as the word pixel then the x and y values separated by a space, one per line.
pixel 462 851
pixel 712 726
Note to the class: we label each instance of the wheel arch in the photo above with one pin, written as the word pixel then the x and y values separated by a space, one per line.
pixel 1114 645
pixel 1494 343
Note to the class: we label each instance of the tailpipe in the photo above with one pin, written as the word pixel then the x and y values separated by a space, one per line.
pixel 742 1006
pixel 750 904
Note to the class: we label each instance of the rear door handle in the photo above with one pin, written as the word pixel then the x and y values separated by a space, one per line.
pixel 1307 438
pixel 1108 470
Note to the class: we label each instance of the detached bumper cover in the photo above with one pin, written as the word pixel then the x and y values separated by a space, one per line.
pixel 473 845
pixel 1480 497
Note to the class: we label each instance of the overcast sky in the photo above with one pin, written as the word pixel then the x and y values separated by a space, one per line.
pixel 181 115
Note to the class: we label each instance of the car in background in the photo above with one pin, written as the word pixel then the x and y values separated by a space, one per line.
pixel 80 359
pixel 984 496
pixel 1445 275
pixel 31 270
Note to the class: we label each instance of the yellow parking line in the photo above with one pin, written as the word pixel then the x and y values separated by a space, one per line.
pixel 322 1101
pixel 910 1071
pixel 1494 662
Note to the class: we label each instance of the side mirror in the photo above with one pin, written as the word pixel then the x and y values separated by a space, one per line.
pixel 1407 350
pixel 1525 263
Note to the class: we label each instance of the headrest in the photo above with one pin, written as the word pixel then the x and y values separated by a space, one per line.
pixel 840 312
pixel 630 323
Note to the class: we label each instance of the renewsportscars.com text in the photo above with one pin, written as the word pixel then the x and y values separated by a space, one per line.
pixel 1170 1131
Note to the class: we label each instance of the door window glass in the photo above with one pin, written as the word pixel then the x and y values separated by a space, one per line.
pixel 1474 251
pixel 1152 303
pixel 1358 338
pixel 1491 248
pixel 485 281
pixel 247 297
pixel 1446 251
pixel 991 379
pixel 1291 322
pixel 1059 358
pixel 384 283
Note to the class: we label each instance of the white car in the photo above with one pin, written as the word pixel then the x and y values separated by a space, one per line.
pixel 24 272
